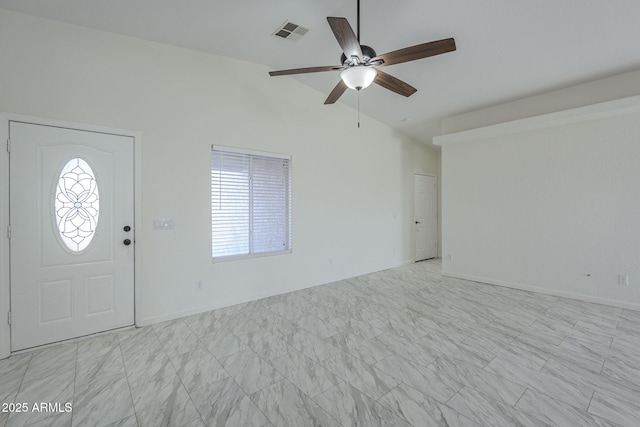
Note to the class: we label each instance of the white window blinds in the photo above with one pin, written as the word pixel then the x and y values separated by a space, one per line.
pixel 250 203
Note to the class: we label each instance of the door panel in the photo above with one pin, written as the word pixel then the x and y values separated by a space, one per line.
pixel 69 189
pixel 425 212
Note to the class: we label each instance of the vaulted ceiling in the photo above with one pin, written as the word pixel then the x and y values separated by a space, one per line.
pixel 505 49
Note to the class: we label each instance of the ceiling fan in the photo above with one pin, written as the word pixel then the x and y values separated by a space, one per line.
pixel 361 65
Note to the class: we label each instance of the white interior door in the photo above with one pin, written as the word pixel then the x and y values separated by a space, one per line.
pixel 71 220
pixel 425 213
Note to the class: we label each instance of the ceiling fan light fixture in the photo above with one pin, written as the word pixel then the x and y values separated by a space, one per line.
pixel 358 77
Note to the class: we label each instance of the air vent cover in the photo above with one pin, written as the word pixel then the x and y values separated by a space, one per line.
pixel 290 31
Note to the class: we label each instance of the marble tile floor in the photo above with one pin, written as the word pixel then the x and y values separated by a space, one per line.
pixel 402 347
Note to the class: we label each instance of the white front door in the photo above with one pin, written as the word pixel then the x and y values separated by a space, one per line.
pixel 425 213
pixel 71 219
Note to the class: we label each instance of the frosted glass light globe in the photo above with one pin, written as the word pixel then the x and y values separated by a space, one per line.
pixel 358 77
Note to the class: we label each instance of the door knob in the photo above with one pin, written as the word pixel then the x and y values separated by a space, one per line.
pixel 418 222
pixel 127 242
pixel 127 228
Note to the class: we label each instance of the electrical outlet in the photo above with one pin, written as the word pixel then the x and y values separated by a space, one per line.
pixel 199 285
pixel 623 280
pixel 450 257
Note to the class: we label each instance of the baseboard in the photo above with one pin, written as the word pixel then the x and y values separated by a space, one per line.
pixel 546 291
pixel 190 312
pixel 197 310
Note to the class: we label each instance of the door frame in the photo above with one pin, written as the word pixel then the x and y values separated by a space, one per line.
pixel 5 277
pixel 413 214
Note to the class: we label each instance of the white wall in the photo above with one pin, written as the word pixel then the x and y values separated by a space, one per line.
pixel 548 203
pixel 352 188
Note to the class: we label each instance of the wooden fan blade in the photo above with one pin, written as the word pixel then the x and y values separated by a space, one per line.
pixel 336 93
pixel 346 37
pixel 394 84
pixel 419 51
pixel 305 70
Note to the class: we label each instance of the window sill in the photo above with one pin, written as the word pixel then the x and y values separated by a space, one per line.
pixel 217 260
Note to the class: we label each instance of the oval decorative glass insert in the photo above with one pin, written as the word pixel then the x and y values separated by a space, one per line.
pixel 77 204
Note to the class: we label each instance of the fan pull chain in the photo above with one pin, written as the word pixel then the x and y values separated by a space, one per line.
pixel 358 109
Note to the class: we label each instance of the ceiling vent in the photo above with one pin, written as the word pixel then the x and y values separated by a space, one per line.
pixel 290 31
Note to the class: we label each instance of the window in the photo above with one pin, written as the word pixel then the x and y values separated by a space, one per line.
pixel 77 204
pixel 250 203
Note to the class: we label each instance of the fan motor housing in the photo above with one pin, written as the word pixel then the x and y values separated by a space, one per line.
pixel 367 54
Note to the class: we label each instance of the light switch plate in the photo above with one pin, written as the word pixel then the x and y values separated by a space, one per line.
pixel 163 224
